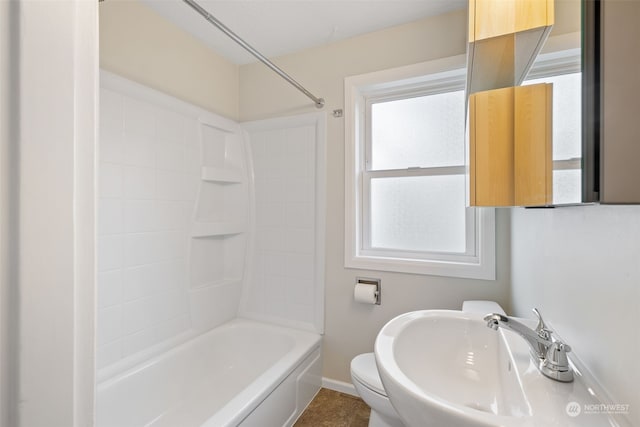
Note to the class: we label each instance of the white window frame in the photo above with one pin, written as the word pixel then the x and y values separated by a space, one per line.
pixel 557 63
pixel 368 174
pixel 478 262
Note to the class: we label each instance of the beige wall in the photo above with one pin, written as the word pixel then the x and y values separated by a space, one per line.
pixel 139 44
pixel 351 328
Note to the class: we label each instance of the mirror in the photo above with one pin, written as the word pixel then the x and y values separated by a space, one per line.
pixel 611 89
pixel 560 63
pixel 525 146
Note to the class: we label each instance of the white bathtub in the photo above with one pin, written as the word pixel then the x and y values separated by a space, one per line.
pixel 241 373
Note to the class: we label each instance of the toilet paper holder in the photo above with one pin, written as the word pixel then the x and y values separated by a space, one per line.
pixel 376 282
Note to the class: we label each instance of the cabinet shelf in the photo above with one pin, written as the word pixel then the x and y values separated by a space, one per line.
pixel 215 229
pixel 222 175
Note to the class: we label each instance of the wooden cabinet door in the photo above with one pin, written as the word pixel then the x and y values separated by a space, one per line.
pixel 510 146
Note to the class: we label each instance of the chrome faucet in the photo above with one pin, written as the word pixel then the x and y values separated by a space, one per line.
pixel 549 354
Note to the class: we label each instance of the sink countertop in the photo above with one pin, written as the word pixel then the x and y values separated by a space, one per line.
pixel 561 398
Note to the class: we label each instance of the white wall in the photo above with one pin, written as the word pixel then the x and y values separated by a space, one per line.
pixel 581 267
pixel 351 328
pixel 52 244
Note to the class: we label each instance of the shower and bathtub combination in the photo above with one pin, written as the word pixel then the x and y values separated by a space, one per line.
pixel 210 263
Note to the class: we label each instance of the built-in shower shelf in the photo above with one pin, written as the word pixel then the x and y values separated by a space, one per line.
pixel 214 229
pixel 222 175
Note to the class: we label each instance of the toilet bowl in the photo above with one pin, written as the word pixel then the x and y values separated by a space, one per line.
pixel 365 378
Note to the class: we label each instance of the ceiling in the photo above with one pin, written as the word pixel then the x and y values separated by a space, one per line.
pixel 276 27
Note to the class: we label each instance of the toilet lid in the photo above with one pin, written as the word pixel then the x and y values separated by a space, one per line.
pixel 364 369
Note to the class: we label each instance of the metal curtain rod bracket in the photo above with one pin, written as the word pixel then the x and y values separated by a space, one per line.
pixel 212 19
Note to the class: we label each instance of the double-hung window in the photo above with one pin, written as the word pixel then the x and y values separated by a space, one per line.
pixel 405 175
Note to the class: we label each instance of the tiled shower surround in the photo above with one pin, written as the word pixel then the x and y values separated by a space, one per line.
pixel 284 258
pixel 189 237
pixel 149 178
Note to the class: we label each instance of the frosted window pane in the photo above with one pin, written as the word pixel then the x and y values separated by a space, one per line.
pixel 567 114
pixel 567 134
pixel 425 213
pixel 567 186
pixel 426 131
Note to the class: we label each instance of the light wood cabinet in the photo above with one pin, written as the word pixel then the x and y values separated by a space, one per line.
pixel 533 166
pixel 491 146
pixel 492 18
pixel 510 129
pixel 510 146
pixel 504 38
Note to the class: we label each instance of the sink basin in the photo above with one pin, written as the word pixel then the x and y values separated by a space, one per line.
pixel 446 368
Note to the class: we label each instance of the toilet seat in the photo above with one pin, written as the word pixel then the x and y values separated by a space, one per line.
pixel 366 380
pixel 365 371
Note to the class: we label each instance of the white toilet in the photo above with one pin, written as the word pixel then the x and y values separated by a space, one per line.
pixel 365 377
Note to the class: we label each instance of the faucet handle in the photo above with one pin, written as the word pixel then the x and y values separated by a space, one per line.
pixel 556 364
pixel 542 330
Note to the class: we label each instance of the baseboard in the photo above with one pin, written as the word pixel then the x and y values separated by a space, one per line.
pixel 340 386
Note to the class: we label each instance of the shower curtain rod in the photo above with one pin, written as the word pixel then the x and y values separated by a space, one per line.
pixel 212 19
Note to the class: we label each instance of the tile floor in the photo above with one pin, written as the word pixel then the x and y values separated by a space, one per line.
pixel 333 409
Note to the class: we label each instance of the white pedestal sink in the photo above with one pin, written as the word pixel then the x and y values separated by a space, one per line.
pixel 445 368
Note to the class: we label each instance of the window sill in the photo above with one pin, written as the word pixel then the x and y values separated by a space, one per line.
pixel 481 269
